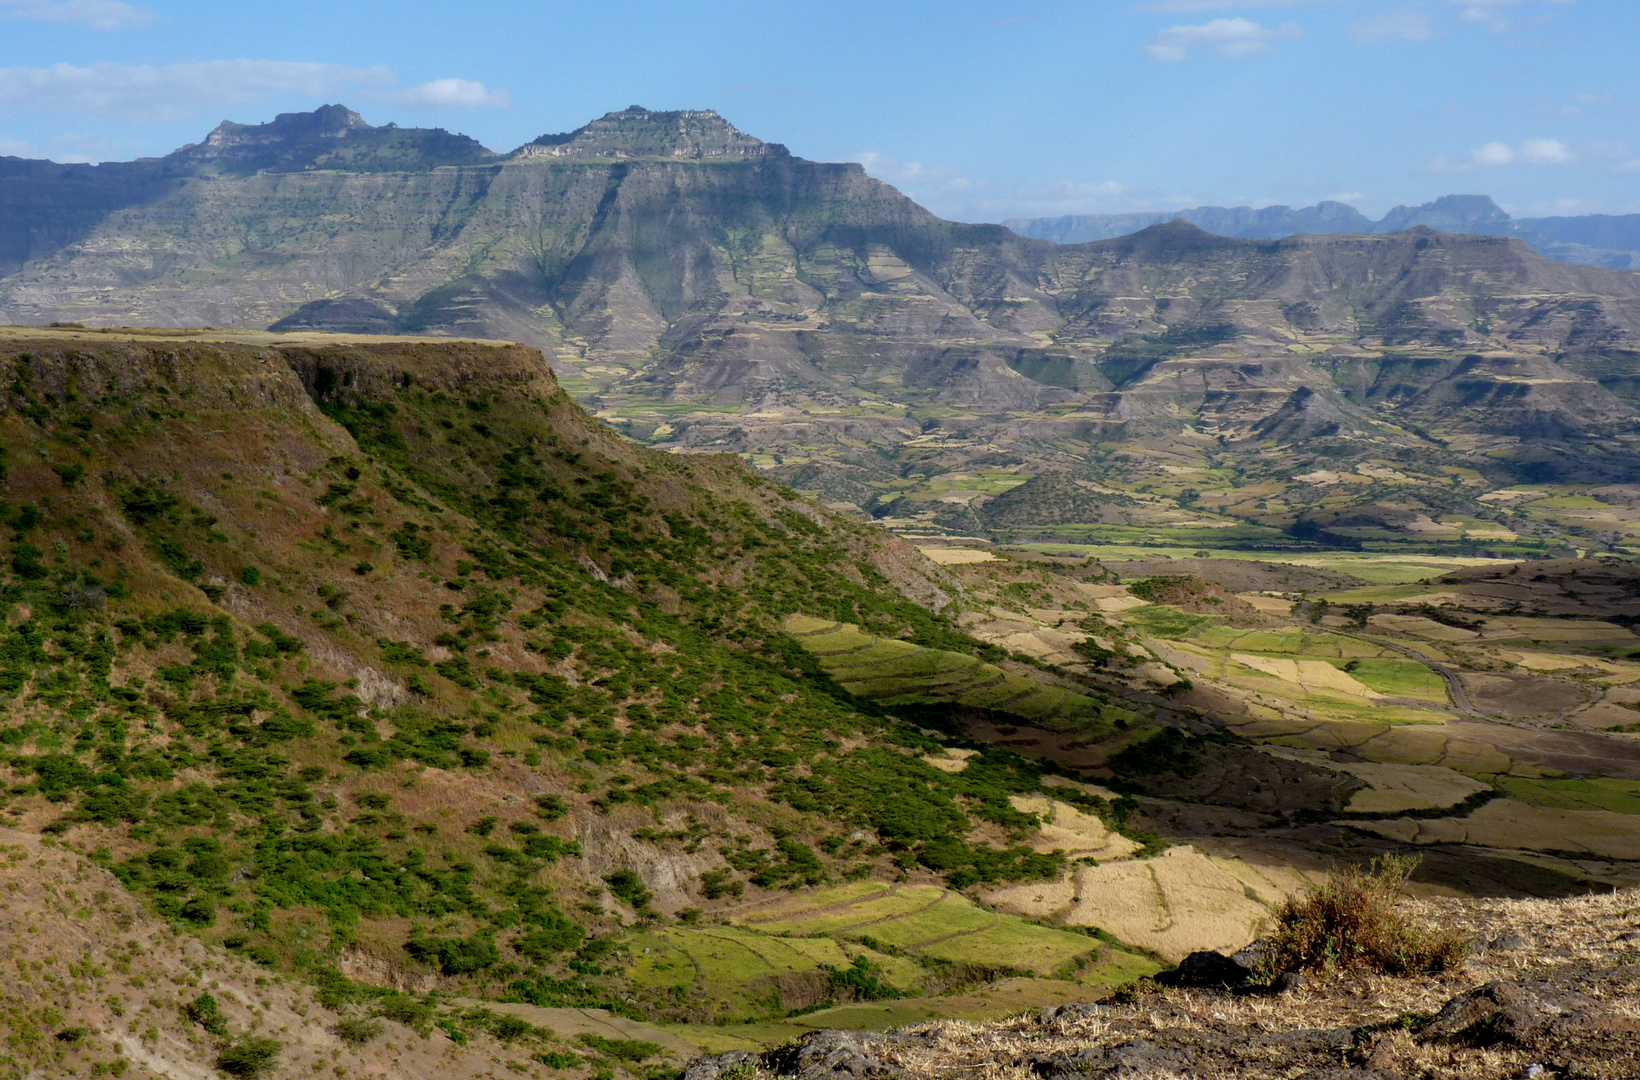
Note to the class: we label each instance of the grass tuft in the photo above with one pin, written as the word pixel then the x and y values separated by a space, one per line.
pixel 1352 922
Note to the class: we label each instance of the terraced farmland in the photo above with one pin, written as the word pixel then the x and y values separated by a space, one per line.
pixel 1174 904
pixel 899 672
pixel 924 921
pixel 782 954
pixel 742 969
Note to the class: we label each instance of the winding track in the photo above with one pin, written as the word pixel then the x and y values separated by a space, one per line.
pixel 1454 684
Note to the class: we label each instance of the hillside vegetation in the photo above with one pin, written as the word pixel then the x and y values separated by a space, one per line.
pixel 384 660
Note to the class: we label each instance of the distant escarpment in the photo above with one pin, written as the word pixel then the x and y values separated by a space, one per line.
pixel 701 288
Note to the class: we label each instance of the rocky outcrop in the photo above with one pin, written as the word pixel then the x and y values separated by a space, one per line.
pixel 1573 1025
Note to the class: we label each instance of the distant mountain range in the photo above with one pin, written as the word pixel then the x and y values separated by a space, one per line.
pixel 1609 240
pixel 702 289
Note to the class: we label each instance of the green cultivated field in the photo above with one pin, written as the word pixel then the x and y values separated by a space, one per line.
pixel 1600 793
pixel 926 921
pixel 911 936
pixel 1398 677
pixel 900 672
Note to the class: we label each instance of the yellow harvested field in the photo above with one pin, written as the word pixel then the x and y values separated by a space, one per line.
pixel 1604 715
pixel 1315 676
pixel 1067 829
pixel 1510 825
pixel 1173 905
pixel 1268 605
pixel 1044 643
pixel 1395 788
pixel 1422 627
pixel 951 759
pixel 1100 592
pixel 1543 661
pixel 1392 788
pixel 1080 785
pixel 798 625
pixel 1579 631
pixel 957 556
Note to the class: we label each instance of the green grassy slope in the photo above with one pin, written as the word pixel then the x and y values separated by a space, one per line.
pixel 391 651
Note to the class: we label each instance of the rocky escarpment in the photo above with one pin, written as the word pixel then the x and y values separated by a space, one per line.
pixel 636 132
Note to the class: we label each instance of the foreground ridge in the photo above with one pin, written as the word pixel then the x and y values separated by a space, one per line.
pixel 1552 989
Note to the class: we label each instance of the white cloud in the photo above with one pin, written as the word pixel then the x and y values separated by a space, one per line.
pixel 1071 196
pixel 1578 105
pixel 1236 39
pixel 1495 155
pixel 1492 13
pixel 955 195
pixel 15 148
pixel 1393 26
pixel 97 14
pixel 111 91
pixel 1489 12
pixel 1546 152
pixel 456 94
pixel 1193 7
pixel 914 174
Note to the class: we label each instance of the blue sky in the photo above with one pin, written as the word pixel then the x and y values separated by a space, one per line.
pixel 979 110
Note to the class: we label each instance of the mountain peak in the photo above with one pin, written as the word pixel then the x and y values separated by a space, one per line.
pixel 637 132
pixel 1450 213
pixel 329 137
pixel 325 122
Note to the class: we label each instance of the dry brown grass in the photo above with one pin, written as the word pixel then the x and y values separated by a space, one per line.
pixel 1353 920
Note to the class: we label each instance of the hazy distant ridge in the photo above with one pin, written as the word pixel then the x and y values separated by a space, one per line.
pixel 1607 240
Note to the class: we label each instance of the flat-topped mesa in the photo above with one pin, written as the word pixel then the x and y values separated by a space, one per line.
pixel 636 132
pixel 325 122
pixel 330 137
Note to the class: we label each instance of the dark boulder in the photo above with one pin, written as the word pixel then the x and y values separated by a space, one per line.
pixel 738 1062
pixel 1206 969
pixel 832 1055
pixel 1498 1013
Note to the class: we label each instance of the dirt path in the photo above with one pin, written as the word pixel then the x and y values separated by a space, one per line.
pixel 996 921
pixel 892 890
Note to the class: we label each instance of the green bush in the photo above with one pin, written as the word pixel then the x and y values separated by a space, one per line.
pixel 404 1009
pixel 860 981
pixel 622 1049
pixel 356 1031
pixel 251 1056
pixel 455 956
pixel 558 1059
pixel 628 888
pixel 203 1011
